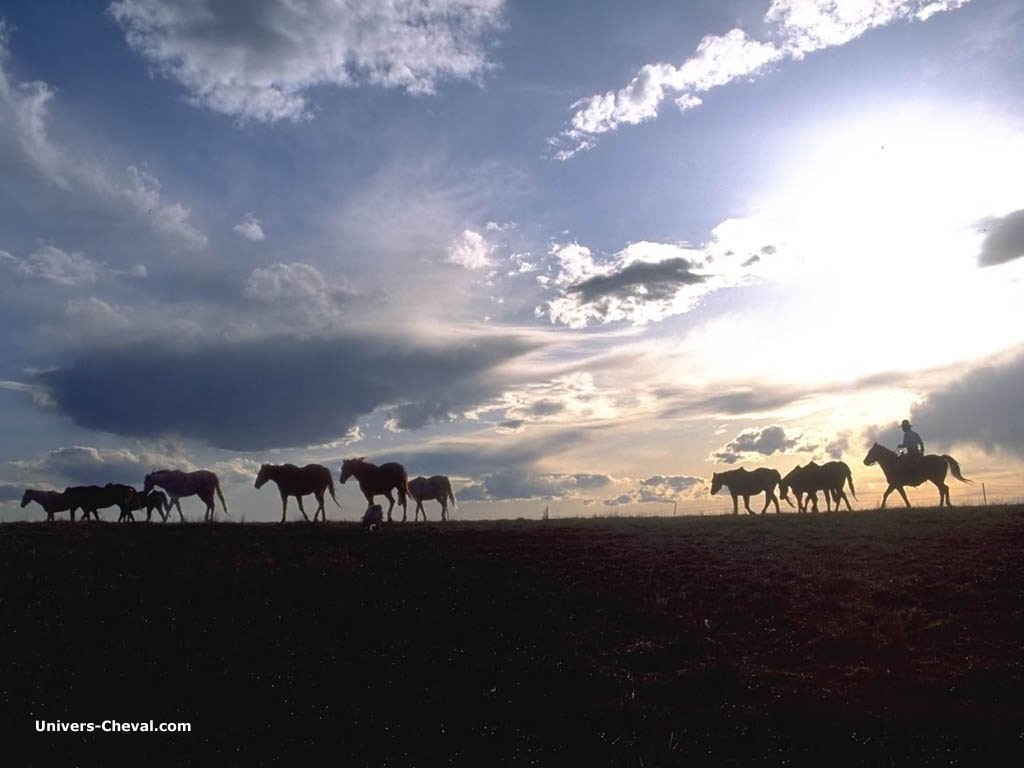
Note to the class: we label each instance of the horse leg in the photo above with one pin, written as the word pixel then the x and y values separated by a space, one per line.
pixel 176 503
pixel 746 503
pixel 305 517
pixel 903 493
pixel 320 505
pixel 391 505
pixel 735 504
pixel 284 506
pixel 943 494
pixel 444 509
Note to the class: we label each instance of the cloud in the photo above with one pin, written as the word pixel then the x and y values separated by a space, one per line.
pixel 273 392
pixel 250 228
pixel 470 250
pixel 647 281
pixel 65 268
pixel 798 27
pixel 758 442
pixel 11 491
pixel 982 408
pixel 258 61
pixel 85 465
pixel 659 489
pixel 518 485
pixel 24 109
pixel 1004 241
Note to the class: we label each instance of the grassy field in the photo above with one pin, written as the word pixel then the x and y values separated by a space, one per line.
pixel 872 638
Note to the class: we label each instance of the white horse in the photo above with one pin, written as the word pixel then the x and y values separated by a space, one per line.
pixel 201 483
pixel 438 488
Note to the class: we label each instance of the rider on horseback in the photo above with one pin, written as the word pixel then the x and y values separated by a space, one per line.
pixel 912 448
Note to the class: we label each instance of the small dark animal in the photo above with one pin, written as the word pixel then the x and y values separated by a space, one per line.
pixel 299 481
pixel 201 483
pixel 154 500
pixel 740 482
pixel 373 517
pixel 378 481
pixel 900 471
pixel 51 502
pixel 438 488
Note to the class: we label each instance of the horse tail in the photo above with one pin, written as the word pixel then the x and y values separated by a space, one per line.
pixel 450 492
pixel 403 488
pixel 954 467
pixel 216 487
pixel 330 487
pixel 849 479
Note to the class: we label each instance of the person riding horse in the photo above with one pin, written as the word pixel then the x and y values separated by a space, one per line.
pixel 912 448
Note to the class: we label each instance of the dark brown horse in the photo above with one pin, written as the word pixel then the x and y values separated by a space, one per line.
pixel 914 470
pixel 298 482
pixel 379 481
pixel 154 500
pixel 740 482
pixel 92 498
pixel 831 478
pixel 51 502
pixel 436 487
pixel 201 483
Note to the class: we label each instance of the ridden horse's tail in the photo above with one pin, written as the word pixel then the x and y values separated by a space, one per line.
pixel 954 467
pixel 330 487
pixel 216 487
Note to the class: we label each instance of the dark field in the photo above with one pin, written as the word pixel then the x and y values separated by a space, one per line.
pixel 870 638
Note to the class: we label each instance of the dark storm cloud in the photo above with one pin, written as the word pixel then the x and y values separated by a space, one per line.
pixel 1004 241
pixel 652 282
pixel 982 408
pixel 275 392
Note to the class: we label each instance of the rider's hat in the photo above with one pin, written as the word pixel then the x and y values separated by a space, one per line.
pixel 905 424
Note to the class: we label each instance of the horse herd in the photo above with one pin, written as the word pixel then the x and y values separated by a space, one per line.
pixel 805 482
pixel 291 480
pixel 832 478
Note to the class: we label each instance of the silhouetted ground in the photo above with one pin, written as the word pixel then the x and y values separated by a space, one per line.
pixel 869 638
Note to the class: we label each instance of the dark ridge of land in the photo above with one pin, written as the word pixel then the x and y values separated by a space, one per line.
pixel 884 638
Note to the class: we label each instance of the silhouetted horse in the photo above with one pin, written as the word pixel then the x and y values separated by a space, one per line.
pixel 811 478
pixel 92 498
pixel 51 502
pixel 299 481
pixel 377 481
pixel 149 501
pixel 900 471
pixel 436 487
pixel 201 483
pixel 740 482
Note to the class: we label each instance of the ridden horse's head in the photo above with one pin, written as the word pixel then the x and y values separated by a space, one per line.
pixel 873 454
pixel 26 498
pixel 263 476
pixel 716 483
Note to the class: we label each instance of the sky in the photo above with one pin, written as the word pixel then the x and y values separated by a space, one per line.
pixel 577 256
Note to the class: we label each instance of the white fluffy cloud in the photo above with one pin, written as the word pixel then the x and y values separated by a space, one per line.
pixel 258 60
pixel 250 228
pixel 470 250
pixel 798 27
pixel 65 268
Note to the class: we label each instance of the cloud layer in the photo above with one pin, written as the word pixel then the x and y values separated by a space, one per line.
pixel 797 27
pixel 274 392
pixel 259 59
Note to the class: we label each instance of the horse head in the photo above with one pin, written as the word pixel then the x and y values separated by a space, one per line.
pixel 873 454
pixel 349 466
pixel 716 483
pixel 263 476
pixel 149 482
pixel 26 498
